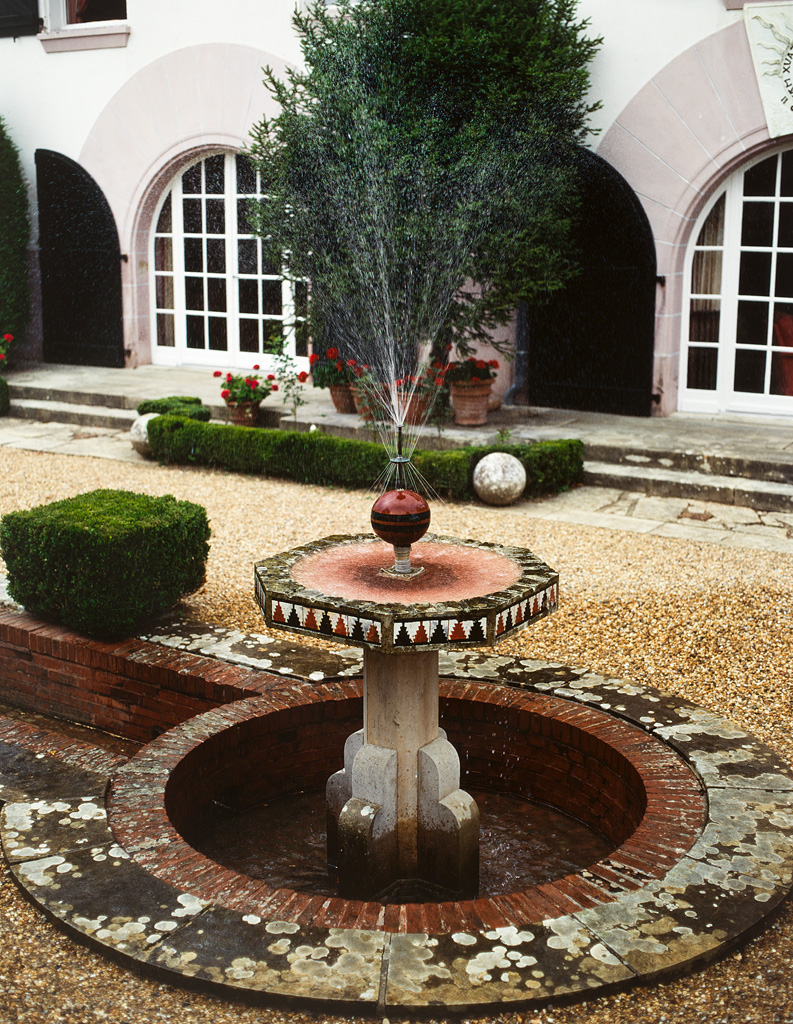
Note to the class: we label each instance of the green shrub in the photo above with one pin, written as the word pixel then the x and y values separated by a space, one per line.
pixel 318 458
pixel 103 562
pixel 5 398
pixel 176 405
pixel 14 238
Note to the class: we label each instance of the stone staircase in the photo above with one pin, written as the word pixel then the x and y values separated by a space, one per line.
pixel 729 461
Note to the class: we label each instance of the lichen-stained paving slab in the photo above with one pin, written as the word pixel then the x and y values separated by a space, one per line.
pixel 243 951
pixel 47 828
pixel 104 896
pixel 506 965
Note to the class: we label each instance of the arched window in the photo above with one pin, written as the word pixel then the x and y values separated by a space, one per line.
pixel 738 325
pixel 217 301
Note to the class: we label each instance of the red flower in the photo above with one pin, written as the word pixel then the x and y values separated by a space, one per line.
pixel 8 337
pixel 217 373
pixel 271 376
pixel 340 366
pixel 2 355
pixel 225 393
pixel 275 387
pixel 481 364
pixel 351 362
pixel 439 381
pixel 313 358
pixel 256 367
pixel 254 384
pixel 493 363
pixel 333 352
pixel 228 378
pixel 302 376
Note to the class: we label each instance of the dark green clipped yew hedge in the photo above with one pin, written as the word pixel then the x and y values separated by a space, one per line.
pixel 176 405
pixel 318 458
pixel 104 562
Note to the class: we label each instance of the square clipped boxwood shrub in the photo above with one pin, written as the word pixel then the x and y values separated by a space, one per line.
pixel 103 562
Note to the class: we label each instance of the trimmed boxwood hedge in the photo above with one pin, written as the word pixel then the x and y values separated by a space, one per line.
pixel 176 405
pixel 103 562
pixel 319 458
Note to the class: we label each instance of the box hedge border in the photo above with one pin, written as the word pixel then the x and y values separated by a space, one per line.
pixel 317 458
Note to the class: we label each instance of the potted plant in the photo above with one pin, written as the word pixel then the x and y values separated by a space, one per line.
pixel 330 371
pixel 419 395
pixel 242 394
pixel 470 383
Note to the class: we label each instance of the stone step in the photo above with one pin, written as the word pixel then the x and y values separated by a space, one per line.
pixel 90 415
pixel 777 467
pixel 65 396
pixel 751 492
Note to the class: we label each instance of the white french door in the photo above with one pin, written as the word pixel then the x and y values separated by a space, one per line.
pixel 738 317
pixel 216 299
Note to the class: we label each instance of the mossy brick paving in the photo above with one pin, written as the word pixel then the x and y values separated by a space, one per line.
pixel 664 901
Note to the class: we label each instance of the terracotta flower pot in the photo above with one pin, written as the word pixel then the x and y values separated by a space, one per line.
pixel 417 409
pixel 243 414
pixel 470 399
pixel 342 398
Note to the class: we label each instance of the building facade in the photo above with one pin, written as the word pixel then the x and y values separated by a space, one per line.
pixel 130 118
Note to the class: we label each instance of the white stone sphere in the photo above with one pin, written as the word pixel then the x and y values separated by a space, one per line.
pixel 139 433
pixel 499 479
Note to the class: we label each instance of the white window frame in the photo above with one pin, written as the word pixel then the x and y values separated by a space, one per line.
pixel 724 399
pixel 232 357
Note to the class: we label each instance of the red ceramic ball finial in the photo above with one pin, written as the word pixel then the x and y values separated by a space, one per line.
pixel 400 517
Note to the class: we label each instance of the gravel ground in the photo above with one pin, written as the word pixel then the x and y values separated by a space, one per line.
pixel 708 623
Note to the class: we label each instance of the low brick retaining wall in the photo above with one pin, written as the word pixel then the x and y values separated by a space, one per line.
pixel 130 688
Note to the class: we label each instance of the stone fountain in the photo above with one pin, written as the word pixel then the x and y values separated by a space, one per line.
pixel 399 826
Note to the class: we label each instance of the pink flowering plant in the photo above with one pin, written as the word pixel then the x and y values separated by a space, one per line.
pixel 5 342
pixel 249 387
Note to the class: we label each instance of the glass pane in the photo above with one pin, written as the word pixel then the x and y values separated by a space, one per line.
pixel 755 276
pixel 270 264
pixel 165 330
pixel 750 371
pixel 782 373
pixel 785 230
pixel 271 298
pixel 214 174
pixel 164 220
pixel 301 338
pixel 194 292
pixel 216 217
pixel 218 340
pixel 246 177
pixel 249 335
pixel 760 180
pixel 216 255
pixel 216 295
pixel 195 332
pixel 272 330
pixel 704 320
pixel 786 183
pixel 194 255
pixel 164 292
pixel 752 326
pixel 758 224
pixel 784 274
pixel 702 366
pixel 193 218
pixel 163 254
pixel 706 272
pixel 249 297
pixel 712 232
pixel 783 326
pixel 191 179
pixel 244 226
pixel 248 249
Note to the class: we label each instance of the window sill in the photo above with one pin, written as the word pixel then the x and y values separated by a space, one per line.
pixel 97 35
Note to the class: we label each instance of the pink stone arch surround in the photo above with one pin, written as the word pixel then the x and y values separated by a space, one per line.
pixel 680 137
pixel 191 102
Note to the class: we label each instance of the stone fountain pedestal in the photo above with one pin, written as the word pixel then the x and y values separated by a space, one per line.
pixel 399 826
pixel 397 818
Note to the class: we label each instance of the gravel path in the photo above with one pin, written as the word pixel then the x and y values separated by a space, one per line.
pixel 706 622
